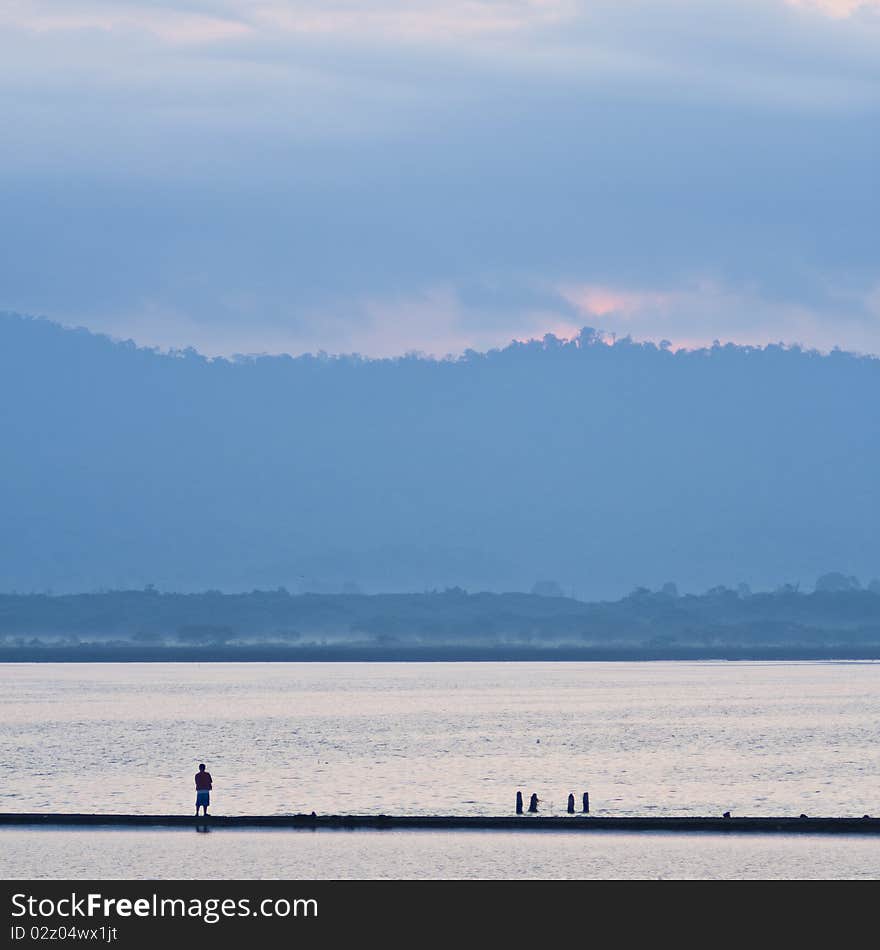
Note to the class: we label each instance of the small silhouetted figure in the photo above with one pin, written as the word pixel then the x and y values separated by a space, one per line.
pixel 570 803
pixel 586 808
pixel 533 803
pixel 204 784
pixel 519 803
pixel 726 815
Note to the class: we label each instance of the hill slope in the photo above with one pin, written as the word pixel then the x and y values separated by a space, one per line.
pixel 601 467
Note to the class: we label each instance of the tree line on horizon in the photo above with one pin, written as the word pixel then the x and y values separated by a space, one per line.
pixel 830 615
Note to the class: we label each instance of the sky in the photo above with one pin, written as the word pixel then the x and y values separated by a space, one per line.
pixel 385 177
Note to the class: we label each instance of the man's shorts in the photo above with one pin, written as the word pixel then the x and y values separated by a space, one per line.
pixel 203 798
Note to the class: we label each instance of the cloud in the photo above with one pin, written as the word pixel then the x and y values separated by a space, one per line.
pixel 178 26
pixel 442 320
pixel 704 311
pixel 839 9
pixel 400 20
pixel 217 76
pixel 599 301
pixel 396 175
pixel 419 21
pixel 437 321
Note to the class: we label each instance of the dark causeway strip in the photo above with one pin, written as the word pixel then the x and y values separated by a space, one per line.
pixel 800 825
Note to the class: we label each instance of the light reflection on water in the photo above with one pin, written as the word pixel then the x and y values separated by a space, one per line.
pixel 454 738
pixel 371 855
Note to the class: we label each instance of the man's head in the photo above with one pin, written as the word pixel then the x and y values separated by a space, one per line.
pixel 202 767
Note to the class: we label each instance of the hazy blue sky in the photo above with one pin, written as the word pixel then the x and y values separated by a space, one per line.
pixel 386 176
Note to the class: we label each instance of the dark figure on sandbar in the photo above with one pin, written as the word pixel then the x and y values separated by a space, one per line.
pixel 204 785
pixel 571 803
pixel 519 803
pixel 533 803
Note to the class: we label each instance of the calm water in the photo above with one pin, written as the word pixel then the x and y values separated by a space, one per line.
pixel 653 738
pixel 374 855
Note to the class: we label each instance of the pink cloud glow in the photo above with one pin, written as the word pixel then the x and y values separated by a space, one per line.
pixel 839 9
pixel 600 301
pixel 436 322
pixel 423 21
pixel 172 28
pixel 383 18
pixel 698 313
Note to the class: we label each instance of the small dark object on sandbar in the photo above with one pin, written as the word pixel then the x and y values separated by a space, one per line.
pixel 726 815
pixel 533 803
pixel 571 804
pixel 519 803
pixel 803 816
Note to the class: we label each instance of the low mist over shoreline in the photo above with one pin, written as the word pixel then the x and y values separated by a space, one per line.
pixel 831 621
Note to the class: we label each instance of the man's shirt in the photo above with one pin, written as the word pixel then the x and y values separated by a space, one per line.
pixel 203 781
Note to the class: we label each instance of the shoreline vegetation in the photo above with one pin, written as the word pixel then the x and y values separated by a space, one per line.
pixel 722 624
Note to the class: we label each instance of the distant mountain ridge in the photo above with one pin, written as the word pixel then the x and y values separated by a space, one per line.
pixel 600 466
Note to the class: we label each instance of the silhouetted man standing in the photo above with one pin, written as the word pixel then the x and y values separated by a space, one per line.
pixel 203 789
